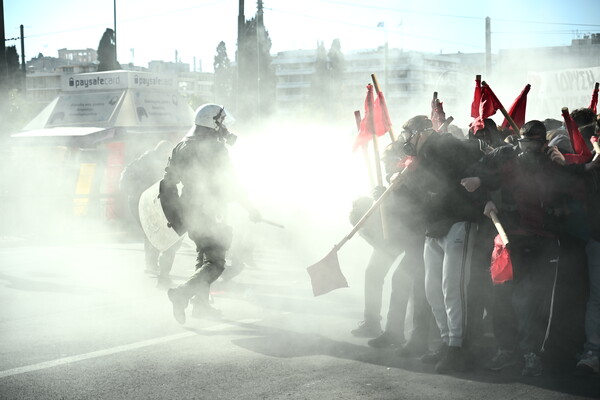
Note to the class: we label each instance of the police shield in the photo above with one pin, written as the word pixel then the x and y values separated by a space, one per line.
pixel 154 222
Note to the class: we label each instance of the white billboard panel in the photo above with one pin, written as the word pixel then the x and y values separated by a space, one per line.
pixel 553 90
pixel 80 109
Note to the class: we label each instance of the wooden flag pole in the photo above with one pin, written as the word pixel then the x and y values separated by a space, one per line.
pixel 371 210
pixel 371 123
pixel 376 84
pixel 444 127
pixel 503 111
pixel 384 225
pixel 447 122
pixel 499 228
pixel 596 147
pixel 365 151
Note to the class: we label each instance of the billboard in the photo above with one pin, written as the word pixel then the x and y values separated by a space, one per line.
pixel 553 90
pixel 111 80
pixel 81 109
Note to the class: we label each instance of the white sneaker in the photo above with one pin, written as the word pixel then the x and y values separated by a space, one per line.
pixel 589 363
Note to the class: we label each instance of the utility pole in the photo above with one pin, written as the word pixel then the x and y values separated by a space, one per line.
pixel 238 60
pixel 115 27
pixel 488 47
pixel 3 67
pixel 23 66
pixel 386 65
pixel 259 30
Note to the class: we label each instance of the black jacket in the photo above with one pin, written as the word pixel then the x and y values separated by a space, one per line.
pixel 441 164
pixel 201 163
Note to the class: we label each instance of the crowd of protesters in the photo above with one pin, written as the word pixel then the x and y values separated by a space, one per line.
pixel 537 297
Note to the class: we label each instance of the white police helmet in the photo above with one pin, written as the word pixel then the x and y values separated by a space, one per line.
pixel 212 116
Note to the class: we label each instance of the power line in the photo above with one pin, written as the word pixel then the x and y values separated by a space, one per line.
pixel 126 20
pixel 544 22
pixel 561 32
pixel 372 7
pixel 397 32
pixel 399 10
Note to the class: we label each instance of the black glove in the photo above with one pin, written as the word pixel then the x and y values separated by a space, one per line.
pixel 378 191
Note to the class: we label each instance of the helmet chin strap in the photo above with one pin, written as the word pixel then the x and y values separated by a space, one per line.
pixel 218 119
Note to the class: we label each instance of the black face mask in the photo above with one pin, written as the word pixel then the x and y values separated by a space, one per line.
pixel 227 136
pixel 409 148
pixel 532 160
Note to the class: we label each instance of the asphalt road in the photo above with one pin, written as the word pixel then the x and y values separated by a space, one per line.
pixel 82 321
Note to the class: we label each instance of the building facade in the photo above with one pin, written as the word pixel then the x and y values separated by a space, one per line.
pixel 403 76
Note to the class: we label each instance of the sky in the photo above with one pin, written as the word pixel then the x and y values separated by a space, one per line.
pixel 192 29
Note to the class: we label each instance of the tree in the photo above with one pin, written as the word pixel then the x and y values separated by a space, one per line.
pixel 106 52
pixel 14 73
pixel 320 88
pixel 256 76
pixel 223 77
pixel 337 67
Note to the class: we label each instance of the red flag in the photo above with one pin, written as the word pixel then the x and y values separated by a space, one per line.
pixel 488 105
pixel 476 99
pixel 582 153
pixel 326 275
pixel 594 102
pixel 376 119
pixel 383 123
pixel 438 116
pixel 367 124
pixel 517 110
pixel 501 266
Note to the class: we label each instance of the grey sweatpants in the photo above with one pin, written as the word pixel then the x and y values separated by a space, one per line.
pixel 447 269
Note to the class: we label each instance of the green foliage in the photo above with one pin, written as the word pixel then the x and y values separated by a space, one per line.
pixel 14 72
pixel 256 75
pixel 106 52
pixel 224 76
pixel 327 82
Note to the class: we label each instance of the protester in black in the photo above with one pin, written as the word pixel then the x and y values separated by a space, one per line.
pixel 534 191
pixel 450 227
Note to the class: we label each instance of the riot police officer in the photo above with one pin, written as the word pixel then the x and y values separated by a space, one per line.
pixel 201 163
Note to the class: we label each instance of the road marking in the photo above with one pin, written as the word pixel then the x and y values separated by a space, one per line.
pixel 115 350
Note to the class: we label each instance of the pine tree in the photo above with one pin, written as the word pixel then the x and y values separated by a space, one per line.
pixel 106 52
pixel 256 76
pixel 223 76
pixel 337 67
pixel 14 73
pixel 320 93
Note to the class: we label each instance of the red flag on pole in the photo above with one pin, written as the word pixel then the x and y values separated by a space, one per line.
pixel 476 97
pixel 383 123
pixel 582 153
pixel 376 119
pixel 517 110
pixel 438 116
pixel 488 105
pixel 594 101
pixel 501 266
pixel 367 127
pixel 326 275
